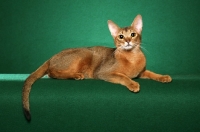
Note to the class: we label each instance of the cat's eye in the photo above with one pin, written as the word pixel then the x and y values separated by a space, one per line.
pixel 121 36
pixel 133 34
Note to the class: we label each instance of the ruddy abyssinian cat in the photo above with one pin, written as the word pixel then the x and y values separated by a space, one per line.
pixel 117 65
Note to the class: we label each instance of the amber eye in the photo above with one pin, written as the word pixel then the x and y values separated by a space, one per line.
pixel 121 36
pixel 133 34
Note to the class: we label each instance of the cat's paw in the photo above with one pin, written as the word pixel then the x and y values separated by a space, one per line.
pixel 134 87
pixel 165 79
pixel 78 76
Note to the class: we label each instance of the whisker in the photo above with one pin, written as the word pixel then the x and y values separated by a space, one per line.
pixel 143 48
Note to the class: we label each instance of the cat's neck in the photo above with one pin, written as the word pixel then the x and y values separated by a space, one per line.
pixel 129 54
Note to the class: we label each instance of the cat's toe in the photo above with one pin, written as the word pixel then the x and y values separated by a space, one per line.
pixel 165 79
pixel 79 76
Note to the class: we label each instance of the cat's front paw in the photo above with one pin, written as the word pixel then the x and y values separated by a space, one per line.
pixel 134 87
pixel 165 79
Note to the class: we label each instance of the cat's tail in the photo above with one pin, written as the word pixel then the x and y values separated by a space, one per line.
pixel 40 72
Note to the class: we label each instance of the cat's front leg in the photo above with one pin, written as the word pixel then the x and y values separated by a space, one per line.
pixel 122 79
pixel 154 76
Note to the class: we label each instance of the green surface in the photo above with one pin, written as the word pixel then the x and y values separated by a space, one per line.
pixel 32 31
pixel 97 106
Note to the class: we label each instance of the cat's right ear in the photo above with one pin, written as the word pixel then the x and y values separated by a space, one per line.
pixel 114 29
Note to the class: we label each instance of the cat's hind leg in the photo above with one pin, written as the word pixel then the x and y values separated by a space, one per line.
pixel 65 74
pixel 154 76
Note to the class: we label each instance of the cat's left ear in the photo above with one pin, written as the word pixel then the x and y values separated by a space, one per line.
pixel 137 24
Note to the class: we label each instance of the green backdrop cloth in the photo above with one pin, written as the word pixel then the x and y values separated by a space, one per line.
pixel 33 31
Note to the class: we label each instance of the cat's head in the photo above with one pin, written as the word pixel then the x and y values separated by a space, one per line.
pixel 127 38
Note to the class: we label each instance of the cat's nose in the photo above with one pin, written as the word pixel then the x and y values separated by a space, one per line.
pixel 128 40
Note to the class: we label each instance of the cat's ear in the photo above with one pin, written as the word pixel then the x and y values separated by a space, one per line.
pixel 137 24
pixel 114 29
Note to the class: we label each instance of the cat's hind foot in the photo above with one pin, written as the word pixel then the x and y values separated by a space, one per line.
pixel 79 76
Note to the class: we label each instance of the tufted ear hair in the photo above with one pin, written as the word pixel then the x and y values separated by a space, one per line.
pixel 137 24
pixel 114 29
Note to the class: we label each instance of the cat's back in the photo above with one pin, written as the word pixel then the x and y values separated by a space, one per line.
pixel 95 53
pixel 101 50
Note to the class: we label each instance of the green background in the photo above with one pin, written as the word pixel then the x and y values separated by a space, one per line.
pixel 31 31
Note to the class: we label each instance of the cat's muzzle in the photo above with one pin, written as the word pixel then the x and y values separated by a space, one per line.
pixel 128 46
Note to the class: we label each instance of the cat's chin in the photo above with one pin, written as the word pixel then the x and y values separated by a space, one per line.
pixel 127 48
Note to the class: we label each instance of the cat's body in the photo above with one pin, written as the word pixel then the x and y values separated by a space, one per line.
pixel 95 62
pixel 116 65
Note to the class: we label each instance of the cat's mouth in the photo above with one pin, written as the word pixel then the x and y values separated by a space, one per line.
pixel 128 46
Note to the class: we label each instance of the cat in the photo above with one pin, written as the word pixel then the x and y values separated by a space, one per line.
pixel 116 65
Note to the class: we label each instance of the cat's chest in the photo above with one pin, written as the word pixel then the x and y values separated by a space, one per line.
pixel 132 65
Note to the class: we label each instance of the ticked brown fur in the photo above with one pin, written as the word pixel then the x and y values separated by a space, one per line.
pixel 117 65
